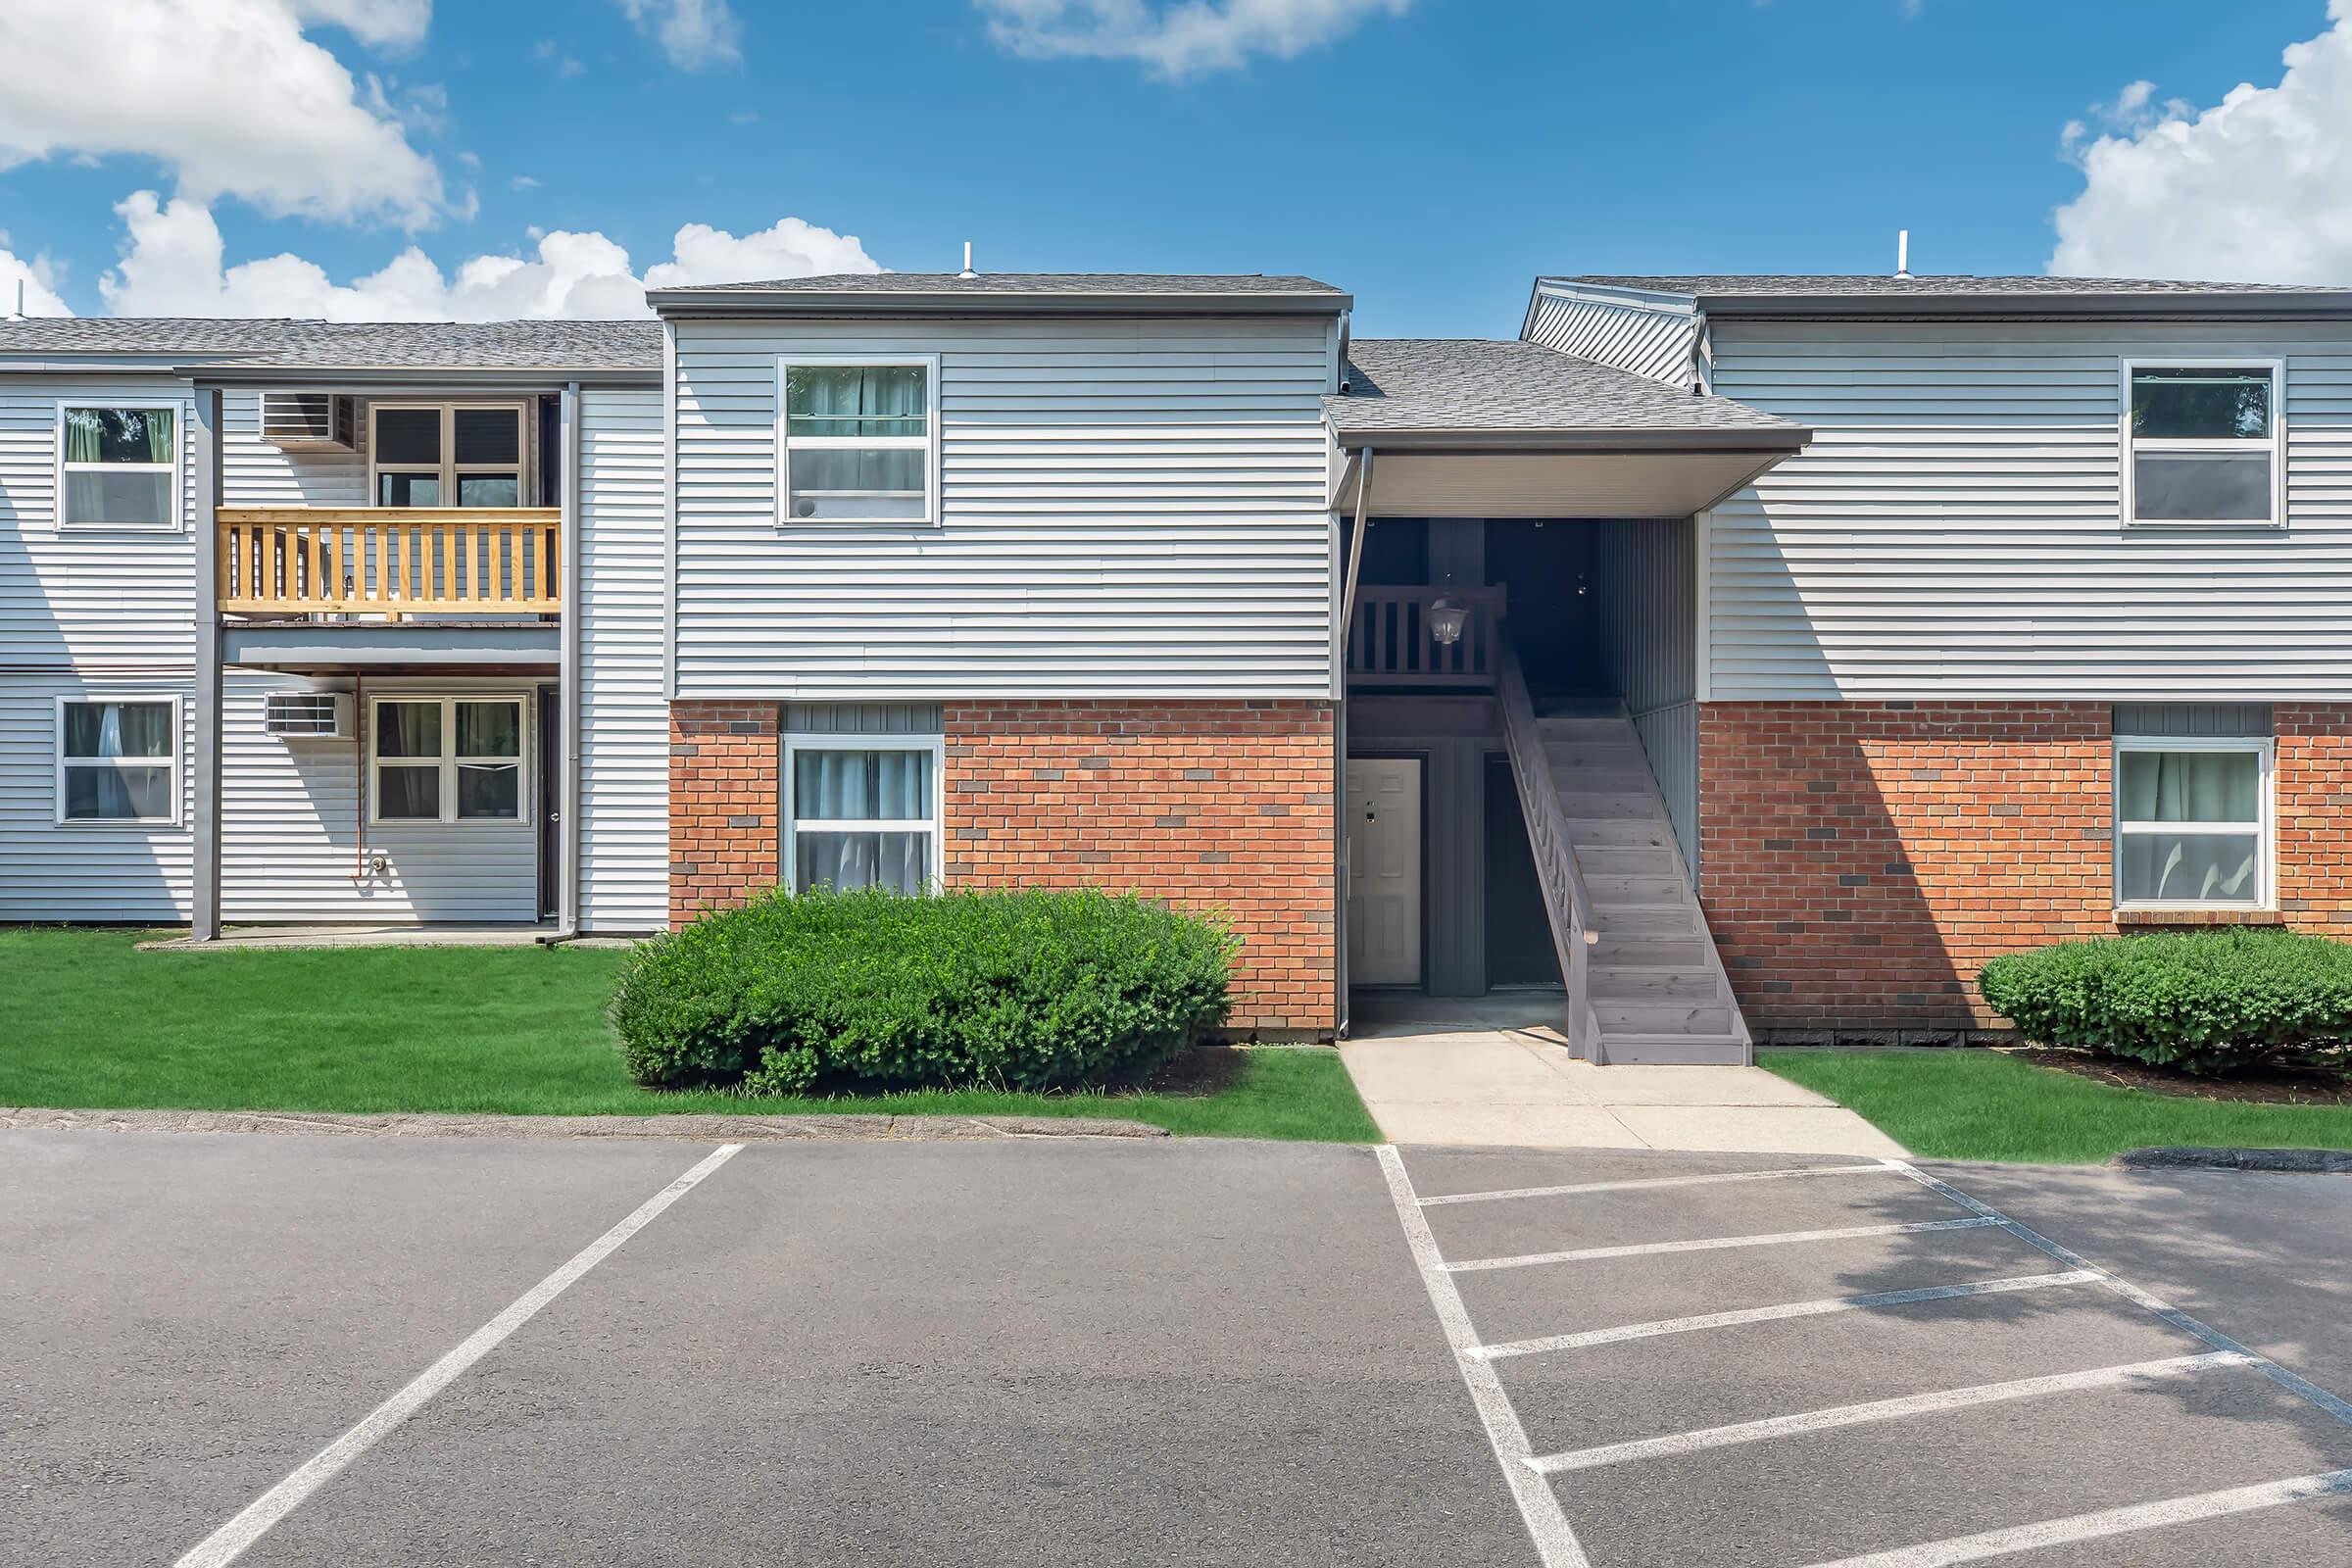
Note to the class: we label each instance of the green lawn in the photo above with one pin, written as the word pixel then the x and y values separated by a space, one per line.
pixel 87 1021
pixel 1984 1105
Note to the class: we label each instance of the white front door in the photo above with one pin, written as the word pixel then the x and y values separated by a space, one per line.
pixel 1384 871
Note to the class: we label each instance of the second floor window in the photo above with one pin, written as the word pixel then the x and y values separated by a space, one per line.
pixel 447 455
pixel 856 442
pixel 2202 445
pixel 118 468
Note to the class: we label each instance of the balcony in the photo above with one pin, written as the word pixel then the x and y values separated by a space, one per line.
pixel 1391 641
pixel 501 562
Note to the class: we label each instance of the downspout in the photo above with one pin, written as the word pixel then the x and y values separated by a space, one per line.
pixel 568 681
pixel 1338 731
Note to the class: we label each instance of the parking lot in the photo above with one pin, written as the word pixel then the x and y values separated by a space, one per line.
pixel 306 1350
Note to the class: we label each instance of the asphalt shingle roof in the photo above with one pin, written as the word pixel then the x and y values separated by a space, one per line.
pixel 1881 285
pixel 322 345
pixel 1502 387
pixel 1051 283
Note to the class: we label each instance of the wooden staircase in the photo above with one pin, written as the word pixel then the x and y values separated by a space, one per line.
pixel 1644 982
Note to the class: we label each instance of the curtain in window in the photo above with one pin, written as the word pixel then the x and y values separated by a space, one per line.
pixel 2190 787
pixel 854 400
pixel 118 729
pixel 861 786
pixel 117 435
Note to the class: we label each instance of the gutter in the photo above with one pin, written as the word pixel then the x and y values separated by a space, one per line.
pixel 567 683
pixel 694 305
pixel 1786 438
pixel 2323 305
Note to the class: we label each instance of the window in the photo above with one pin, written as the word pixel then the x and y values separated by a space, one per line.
pixel 2202 444
pixel 448 759
pixel 863 811
pixel 117 759
pixel 447 455
pixel 117 468
pixel 857 441
pixel 2192 822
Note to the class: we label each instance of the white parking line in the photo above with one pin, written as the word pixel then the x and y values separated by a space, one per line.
pixel 2107 1522
pixel 1556 1542
pixel 228 1542
pixel 1773 1314
pixel 1716 1243
pixel 1855 1415
pixel 1874 1168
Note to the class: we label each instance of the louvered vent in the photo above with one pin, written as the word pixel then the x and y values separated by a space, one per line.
pixel 296 421
pixel 309 715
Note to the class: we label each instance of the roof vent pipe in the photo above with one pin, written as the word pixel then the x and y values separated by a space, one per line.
pixel 20 311
pixel 968 262
pixel 1903 253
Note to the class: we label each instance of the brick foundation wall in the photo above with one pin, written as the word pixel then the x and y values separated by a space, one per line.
pixel 1859 861
pixel 723 804
pixel 1224 804
pixel 1203 804
pixel 2312 810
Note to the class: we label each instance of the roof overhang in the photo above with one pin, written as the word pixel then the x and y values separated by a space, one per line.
pixel 2332 305
pixel 704 304
pixel 1568 473
pixel 372 378
pixel 449 648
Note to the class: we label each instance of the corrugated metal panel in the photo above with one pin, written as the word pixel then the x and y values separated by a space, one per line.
pixel 87 596
pixel 1954 531
pixel 1644 601
pixel 862 718
pixel 290 826
pixel 1656 343
pixel 1131 507
pixel 2174 719
pixel 624 718
pixel 52 871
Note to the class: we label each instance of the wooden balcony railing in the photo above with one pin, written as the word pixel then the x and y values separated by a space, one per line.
pixel 390 562
pixel 1388 642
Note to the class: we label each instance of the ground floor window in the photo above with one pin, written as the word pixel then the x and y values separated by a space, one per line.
pixel 2192 822
pixel 861 811
pixel 447 759
pixel 117 759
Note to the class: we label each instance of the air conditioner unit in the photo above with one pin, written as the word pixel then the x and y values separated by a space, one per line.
pixel 308 715
pixel 296 421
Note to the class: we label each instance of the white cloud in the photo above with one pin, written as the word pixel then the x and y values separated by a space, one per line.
pixel 174 265
pixel 38 279
pixel 524 182
pixel 228 95
pixel 694 33
pixel 2256 188
pixel 1181 39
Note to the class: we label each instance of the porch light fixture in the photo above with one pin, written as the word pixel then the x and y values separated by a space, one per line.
pixel 1446 622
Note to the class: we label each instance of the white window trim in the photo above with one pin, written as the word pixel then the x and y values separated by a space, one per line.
pixel 176 520
pixel 935 745
pixel 57 751
pixel 446 471
pixel 2266 874
pixel 449 761
pixel 927 443
pixel 2188 447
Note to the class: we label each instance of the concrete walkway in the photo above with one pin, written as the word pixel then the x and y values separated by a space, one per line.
pixel 1496 1071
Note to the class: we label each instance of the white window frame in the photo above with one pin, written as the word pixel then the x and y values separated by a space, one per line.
pixel 57 751
pixel 176 518
pixel 935 869
pixel 450 761
pixel 2161 446
pixel 446 471
pixel 2266 863
pixel 927 443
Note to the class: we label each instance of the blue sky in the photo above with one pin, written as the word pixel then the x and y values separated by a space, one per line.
pixel 1430 157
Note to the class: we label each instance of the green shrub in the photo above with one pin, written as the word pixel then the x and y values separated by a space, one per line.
pixel 873 990
pixel 2203 1001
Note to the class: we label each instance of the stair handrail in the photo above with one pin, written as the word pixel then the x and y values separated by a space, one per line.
pixel 1564 892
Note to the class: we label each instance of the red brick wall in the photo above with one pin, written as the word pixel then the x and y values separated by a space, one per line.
pixel 1207 804
pixel 723 804
pixel 2311 808
pixel 1859 861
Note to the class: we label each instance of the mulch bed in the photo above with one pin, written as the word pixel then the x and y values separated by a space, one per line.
pixel 2267 1087
pixel 1200 1070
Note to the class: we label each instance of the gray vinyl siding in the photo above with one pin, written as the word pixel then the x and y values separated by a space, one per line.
pixel 1657 343
pixel 255 474
pixel 1644 594
pixel 103 871
pixel 625 719
pixel 1130 509
pixel 290 824
pixel 89 598
pixel 1955 528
